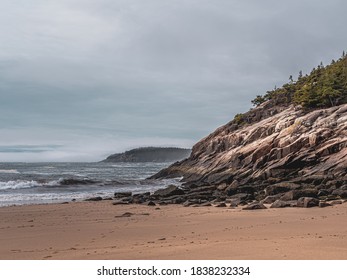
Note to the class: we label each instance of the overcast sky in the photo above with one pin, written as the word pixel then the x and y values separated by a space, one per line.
pixel 82 79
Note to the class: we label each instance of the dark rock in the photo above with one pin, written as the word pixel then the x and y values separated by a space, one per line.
pixel 332 197
pixel 129 199
pixel 162 203
pixel 150 203
pixel 296 194
pixel 232 189
pixel 122 194
pixel 271 198
pixel 142 194
pixel 254 206
pixel 96 198
pixel 323 193
pixel 235 202
pixel 276 189
pixel 246 189
pixel 222 204
pixel 222 187
pixel 307 202
pixel 198 189
pixel 241 196
pixel 179 200
pixel 188 203
pixel 138 199
pixel 340 193
pixel 169 191
pixel 283 204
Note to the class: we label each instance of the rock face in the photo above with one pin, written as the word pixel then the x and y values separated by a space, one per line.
pixel 150 154
pixel 281 150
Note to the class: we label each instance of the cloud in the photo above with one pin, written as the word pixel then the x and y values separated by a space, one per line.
pixel 127 70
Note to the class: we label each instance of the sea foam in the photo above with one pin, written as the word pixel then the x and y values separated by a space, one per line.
pixel 24 184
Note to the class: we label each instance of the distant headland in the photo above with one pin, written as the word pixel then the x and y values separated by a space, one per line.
pixel 150 154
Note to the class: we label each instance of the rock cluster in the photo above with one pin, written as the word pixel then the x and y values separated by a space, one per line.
pixel 210 196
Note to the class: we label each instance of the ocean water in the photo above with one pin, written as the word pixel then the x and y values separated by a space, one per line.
pixel 37 183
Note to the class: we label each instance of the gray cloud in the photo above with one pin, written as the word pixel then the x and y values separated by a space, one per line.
pixel 97 77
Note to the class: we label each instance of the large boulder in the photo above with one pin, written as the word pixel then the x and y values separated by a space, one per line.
pixel 171 190
pixel 296 194
pixel 254 206
pixel 282 204
pixel 280 188
pixel 308 202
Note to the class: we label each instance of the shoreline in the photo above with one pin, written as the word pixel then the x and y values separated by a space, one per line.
pixel 100 230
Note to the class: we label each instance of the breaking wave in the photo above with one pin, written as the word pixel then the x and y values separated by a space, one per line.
pixel 23 184
pixel 63 182
pixel 9 171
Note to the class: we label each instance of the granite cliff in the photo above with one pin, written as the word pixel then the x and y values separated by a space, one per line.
pixel 292 146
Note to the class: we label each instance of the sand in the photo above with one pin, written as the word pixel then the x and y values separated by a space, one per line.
pixel 98 230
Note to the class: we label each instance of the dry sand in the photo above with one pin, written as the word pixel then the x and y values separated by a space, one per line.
pixel 97 230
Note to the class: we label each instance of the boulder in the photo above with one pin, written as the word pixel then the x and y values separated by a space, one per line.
pixel 150 203
pixel 277 189
pixel 171 190
pixel 341 193
pixel 221 204
pixel 296 194
pixel 254 206
pixel 188 203
pixel 122 194
pixel 307 202
pixel 282 204
pixel 96 198
pixel 271 198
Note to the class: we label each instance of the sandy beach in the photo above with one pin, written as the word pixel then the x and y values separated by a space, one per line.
pixel 100 230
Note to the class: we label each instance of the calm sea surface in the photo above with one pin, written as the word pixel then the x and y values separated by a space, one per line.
pixel 36 183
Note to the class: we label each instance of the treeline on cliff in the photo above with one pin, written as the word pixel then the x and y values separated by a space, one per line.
pixel 325 86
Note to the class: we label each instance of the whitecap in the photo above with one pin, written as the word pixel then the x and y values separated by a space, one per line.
pixel 24 184
pixel 9 171
pixel 18 184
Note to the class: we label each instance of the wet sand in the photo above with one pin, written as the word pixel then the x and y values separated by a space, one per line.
pixel 100 230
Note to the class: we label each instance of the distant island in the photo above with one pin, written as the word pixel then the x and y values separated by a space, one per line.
pixel 150 154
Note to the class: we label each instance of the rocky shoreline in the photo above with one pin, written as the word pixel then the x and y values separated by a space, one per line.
pixel 282 157
pixel 279 195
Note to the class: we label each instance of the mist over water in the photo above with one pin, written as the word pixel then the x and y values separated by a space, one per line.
pixel 36 183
